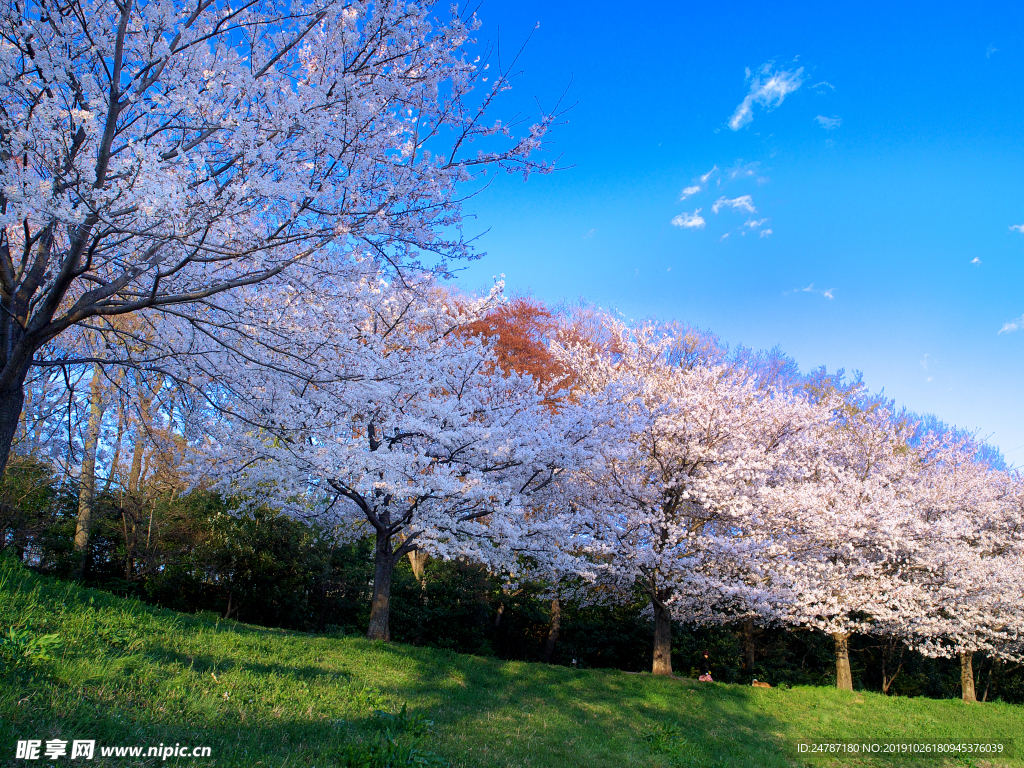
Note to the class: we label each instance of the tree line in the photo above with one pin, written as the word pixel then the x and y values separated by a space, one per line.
pixel 271 570
pixel 722 488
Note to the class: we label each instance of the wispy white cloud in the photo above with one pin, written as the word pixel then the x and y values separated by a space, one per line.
pixel 975 261
pixel 699 186
pixel 1013 325
pixel 829 123
pixel 689 220
pixel 990 50
pixel 742 203
pixel 827 293
pixel 823 86
pixel 768 88
pixel 741 170
pixel 924 360
pixel 694 188
pixel 1017 227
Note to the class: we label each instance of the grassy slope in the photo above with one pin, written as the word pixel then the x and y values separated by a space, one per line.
pixel 130 674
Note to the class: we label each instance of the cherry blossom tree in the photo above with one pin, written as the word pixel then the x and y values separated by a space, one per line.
pixel 893 532
pixel 369 406
pixel 672 504
pixel 157 152
pixel 851 509
pixel 969 566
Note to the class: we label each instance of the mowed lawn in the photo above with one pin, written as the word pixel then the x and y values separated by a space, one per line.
pixel 128 674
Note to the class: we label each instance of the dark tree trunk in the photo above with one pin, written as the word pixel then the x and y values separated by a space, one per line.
pixel 380 607
pixel 988 680
pixel 556 625
pixel 967 678
pixel 748 646
pixel 129 526
pixel 662 635
pixel 889 658
pixel 12 401
pixel 844 677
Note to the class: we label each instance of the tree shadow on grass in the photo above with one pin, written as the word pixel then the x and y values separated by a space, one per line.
pixel 209 664
pixel 539 715
pixel 543 715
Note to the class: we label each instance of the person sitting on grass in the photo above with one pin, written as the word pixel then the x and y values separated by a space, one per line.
pixel 705 669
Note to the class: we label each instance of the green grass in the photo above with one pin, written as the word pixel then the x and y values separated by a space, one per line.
pixel 129 674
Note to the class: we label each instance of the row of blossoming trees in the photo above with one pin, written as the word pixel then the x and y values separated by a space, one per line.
pixel 641 456
pixel 729 497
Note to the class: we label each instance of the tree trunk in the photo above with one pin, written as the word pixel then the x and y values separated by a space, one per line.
pixel 988 681
pixel 967 678
pixel 136 471
pixel 12 401
pixel 418 561
pixel 748 645
pixel 887 662
pixel 380 607
pixel 23 434
pixel 87 475
pixel 844 677
pixel 130 540
pixel 135 474
pixel 37 427
pixel 117 449
pixel 662 637
pixel 556 625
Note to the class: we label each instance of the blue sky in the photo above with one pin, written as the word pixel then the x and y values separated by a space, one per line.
pixel 883 149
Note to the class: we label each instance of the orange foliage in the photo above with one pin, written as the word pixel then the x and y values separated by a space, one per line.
pixel 522 330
